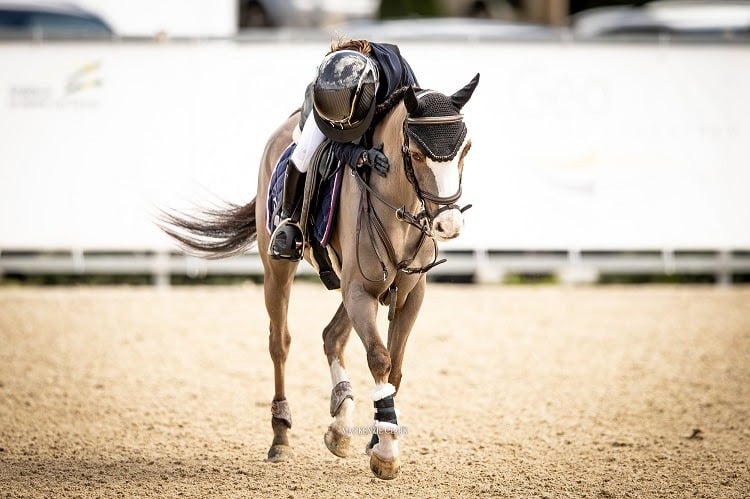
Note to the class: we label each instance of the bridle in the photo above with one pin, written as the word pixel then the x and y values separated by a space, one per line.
pixel 448 202
pixel 422 220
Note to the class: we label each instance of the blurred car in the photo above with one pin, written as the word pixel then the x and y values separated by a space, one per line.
pixel 448 29
pixel 485 9
pixel 302 13
pixel 50 20
pixel 316 13
pixel 267 13
pixel 697 19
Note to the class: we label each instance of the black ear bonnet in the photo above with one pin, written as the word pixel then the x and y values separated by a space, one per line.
pixel 440 141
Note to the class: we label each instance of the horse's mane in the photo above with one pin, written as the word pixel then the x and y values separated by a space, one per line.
pixel 392 101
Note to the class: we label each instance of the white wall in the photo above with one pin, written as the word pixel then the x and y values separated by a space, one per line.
pixel 575 146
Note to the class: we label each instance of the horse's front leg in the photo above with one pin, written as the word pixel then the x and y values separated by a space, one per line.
pixel 401 326
pixel 383 448
pixel 335 335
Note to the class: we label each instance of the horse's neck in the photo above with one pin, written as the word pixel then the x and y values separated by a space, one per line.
pixel 395 186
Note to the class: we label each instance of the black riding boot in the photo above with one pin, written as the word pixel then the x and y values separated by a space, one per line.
pixel 286 241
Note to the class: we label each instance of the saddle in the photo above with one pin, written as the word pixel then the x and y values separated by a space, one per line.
pixel 317 212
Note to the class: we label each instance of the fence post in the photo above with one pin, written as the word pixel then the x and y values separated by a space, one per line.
pixel 160 269
pixel 724 274
pixel 484 271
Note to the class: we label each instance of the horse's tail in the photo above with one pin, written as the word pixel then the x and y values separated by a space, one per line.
pixel 213 233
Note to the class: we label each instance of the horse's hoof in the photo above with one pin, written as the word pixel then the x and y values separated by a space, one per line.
pixel 385 470
pixel 339 444
pixel 280 453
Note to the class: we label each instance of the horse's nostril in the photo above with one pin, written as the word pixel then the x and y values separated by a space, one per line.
pixel 439 227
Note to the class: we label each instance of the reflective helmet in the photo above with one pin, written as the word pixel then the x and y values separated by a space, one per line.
pixel 344 95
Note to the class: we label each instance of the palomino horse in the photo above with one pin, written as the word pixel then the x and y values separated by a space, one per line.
pixel 383 244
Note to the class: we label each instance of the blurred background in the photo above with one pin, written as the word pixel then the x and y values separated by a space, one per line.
pixel 610 137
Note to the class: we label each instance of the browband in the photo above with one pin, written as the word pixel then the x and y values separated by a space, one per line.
pixel 435 120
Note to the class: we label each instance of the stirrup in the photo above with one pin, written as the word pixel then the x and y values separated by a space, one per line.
pixel 286 242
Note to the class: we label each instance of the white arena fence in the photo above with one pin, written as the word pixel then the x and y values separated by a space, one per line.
pixel 474 265
pixel 588 159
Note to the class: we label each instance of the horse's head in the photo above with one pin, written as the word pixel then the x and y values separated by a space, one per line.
pixel 435 145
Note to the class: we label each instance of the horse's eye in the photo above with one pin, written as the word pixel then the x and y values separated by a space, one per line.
pixel 415 156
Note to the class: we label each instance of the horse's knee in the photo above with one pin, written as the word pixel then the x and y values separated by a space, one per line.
pixel 379 362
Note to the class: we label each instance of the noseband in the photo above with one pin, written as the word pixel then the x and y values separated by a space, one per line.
pixel 422 220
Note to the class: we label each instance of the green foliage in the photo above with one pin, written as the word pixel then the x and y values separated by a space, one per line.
pixel 526 278
pixel 657 279
pixel 121 280
pixel 75 280
pixel 214 280
pixel 395 9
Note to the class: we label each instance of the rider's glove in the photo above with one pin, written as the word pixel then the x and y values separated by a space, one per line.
pixel 376 159
pixel 357 156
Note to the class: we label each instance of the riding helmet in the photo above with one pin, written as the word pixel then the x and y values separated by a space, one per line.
pixel 344 95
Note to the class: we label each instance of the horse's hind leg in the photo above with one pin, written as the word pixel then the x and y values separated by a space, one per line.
pixel 277 286
pixel 335 336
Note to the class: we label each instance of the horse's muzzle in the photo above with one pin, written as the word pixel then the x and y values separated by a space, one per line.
pixel 447 224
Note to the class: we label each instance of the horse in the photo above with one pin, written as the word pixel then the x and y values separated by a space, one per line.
pixel 383 243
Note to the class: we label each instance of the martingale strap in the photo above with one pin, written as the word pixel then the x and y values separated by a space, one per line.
pixel 376 229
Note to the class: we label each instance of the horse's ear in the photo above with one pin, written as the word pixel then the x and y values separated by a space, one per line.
pixel 462 96
pixel 410 100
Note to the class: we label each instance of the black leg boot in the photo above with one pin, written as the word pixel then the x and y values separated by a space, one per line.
pixel 286 240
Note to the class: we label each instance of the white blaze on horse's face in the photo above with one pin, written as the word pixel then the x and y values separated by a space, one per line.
pixel 446 178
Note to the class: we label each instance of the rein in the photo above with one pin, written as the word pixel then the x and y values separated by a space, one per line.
pixel 375 227
pixel 422 221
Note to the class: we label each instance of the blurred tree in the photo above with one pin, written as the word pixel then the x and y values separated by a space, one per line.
pixel 553 12
pixel 544 11
pixel 579 5
pixel 394 9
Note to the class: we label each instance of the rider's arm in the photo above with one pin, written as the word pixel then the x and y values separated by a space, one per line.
pixel 357 156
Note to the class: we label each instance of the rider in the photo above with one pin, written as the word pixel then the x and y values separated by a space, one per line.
pixel 353 79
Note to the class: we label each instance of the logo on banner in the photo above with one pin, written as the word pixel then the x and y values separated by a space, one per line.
pixel 77 90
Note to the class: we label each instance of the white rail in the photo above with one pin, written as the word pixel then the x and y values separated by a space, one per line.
pixel 484 266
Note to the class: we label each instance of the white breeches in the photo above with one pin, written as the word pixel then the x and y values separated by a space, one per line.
pixel 309 141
